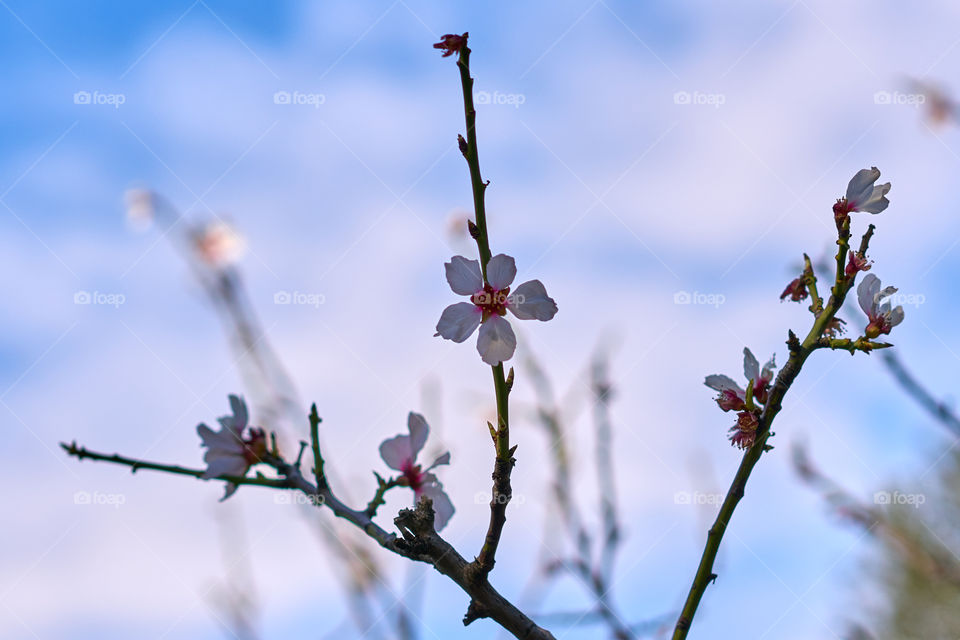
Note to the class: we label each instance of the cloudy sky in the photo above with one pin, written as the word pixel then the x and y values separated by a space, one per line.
pixel 635 154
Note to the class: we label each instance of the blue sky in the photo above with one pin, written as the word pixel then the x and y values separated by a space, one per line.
pixel 603 185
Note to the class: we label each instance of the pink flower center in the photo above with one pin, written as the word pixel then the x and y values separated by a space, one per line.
pixel 493 302
pixel 413 474
pixel 255 447
pixel 878 325
pixel 842 208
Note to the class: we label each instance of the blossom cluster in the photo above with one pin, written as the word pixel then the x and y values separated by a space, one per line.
pixel 733 397
pixel 863 195
pixel 231 455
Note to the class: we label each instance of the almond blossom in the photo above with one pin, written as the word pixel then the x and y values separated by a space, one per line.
pixel 732 396
pixel 220 244
pixel 400 453
pixel 451 43
pixel 489 303
pixel 858 262
pixel 882 317
pixel 863 195
pixel 228 454
pixel 797 290
pixel 744 433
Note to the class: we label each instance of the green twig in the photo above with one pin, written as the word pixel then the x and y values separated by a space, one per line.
pixel 378 498
pixel 799 352
pixel 503 465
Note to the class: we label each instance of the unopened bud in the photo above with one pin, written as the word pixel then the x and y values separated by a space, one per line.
pixel 473 229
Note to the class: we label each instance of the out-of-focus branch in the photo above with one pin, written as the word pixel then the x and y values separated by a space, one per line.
pixel 915 389
pixel 924 555
pixel 236 595
pixel 209 251
pixel 593 568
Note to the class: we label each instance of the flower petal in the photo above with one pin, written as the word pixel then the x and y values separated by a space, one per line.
pixel 442 505
pixel 226 466
pixel 877 201
pixel 496 341
pixel 441 460
pixel 229 490
pixel 459 321
pixel 463 275
pixel 720 382
pixel 751 368
pixel 419 430
pixel 239 417
pixel 501 270
pixel 223 441
pixel 239 409
pixel 895 317
pixel 767 372
pixel 530 301
pixel 866 294
pixel 860 187
pixel 396 452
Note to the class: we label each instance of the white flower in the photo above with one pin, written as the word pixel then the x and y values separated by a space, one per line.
pixel 732 396
pixel 882 317
pixel 219 244
pixel 228 454
pixel 862 195
pixel 489 303
pixel 401 452
pixel 141 208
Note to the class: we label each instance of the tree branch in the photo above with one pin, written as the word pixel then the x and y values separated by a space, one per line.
pixel 419 542
pixel 503 465
pixel 799 352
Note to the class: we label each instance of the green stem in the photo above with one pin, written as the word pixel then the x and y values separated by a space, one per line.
pixel 379 497
pixel 799 352
pixel 816 302
pixel 473 159
pixel 503 464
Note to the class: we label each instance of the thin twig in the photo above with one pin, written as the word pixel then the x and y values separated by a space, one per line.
pixel 419 541
pixel 503 465
pixel 799 352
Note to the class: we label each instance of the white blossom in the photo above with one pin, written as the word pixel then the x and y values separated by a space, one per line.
pixel 489 303
pixel 400 453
